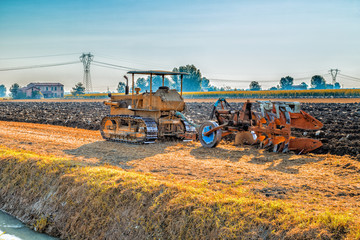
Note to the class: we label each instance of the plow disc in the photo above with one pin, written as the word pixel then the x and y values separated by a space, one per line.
pixel 270 123
pixel 304 145
pixel 212 139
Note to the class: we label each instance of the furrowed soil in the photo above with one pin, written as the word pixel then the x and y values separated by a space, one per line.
pixel 276 196
pixel 340 134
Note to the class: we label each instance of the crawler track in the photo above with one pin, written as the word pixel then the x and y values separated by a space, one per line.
pixel 137 130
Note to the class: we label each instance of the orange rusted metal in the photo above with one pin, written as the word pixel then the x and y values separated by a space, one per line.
pixel 270 122
pixel 146 117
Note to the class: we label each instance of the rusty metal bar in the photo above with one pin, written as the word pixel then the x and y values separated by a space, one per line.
pixel 150 107
pixel 163 80
pixel 133 89
pixel 215 129
pixel 181 77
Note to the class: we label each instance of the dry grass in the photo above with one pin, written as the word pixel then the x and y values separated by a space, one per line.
pixel 172 190
pixel 83 201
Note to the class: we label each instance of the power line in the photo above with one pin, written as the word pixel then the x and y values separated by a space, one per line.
pixel 114 65
pixel 349 79
pixel 129 60
pixel 43 56
pixel 349 76
pixel 37 66
pixel 104 66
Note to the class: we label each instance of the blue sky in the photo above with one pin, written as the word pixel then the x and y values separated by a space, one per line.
pixel 229 40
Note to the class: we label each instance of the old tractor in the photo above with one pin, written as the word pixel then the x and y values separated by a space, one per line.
pixel 268 123
pixel 146 117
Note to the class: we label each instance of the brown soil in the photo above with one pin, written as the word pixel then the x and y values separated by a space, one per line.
pixel 318 181
pixel 340 134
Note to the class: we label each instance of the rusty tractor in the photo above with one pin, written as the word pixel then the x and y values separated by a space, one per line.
pixel 146 117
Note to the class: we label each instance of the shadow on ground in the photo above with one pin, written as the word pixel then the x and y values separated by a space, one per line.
pixel 283 162
pixel 118 153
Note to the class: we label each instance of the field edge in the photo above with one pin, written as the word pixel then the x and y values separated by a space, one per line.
pixel 75 200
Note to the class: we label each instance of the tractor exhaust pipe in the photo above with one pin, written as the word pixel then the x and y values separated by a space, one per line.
pixel 127 85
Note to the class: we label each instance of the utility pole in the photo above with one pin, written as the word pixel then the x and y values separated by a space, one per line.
pixel 334 73
pixel 86 59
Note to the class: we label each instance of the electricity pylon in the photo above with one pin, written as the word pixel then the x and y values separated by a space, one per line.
pixel 334 73
pixel 86 59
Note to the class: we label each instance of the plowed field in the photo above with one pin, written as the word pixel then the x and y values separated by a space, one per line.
pixel 340 134
pixel 319 181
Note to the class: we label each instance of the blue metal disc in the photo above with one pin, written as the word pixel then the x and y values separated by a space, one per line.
pixel 210 138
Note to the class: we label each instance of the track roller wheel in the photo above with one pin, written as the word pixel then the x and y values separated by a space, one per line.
pixel 214 138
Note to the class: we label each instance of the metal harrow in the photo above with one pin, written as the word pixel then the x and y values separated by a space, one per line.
pixel 270 122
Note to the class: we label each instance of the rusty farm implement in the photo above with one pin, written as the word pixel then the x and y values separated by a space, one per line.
pixel 264 122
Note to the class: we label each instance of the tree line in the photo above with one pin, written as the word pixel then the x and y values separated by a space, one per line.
pixel 287 83
pixel 194 82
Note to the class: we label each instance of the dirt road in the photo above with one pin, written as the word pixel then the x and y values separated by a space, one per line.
pixel 319 181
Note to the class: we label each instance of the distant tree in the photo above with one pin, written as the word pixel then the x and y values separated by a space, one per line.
pixel 286 82
pixel 337 85
pixel 213 88
pixel 14 90
pixel 121 87
pixel 2 90
pixel 141 83
pixel 156 82
pixel 273 88
pixel 304 85
pixel 36 94
pixel 205 83
pixel 191 82
pixel 255 86
pixel 79 89
pixel 318 82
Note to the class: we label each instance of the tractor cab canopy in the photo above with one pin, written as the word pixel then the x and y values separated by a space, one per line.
pixel 158 73
pixel 151 73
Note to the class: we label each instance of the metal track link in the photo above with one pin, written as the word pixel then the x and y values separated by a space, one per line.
pixel 190 131
pixel 150 129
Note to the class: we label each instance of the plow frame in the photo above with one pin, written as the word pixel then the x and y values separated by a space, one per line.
pixel 272 124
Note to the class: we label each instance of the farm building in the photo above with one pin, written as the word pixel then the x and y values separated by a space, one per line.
pixel 48 90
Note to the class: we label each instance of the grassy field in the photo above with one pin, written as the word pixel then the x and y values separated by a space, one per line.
pixel 70 183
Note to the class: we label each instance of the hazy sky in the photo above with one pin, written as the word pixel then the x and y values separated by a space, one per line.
pixel 226 40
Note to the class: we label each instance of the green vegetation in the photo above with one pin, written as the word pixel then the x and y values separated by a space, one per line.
pixel 15 92
pixel 286 82
pixel 254 86
pixel 2 90
pixel 318 82
pixel 121 87
pixel 82 201
pixel 79 89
